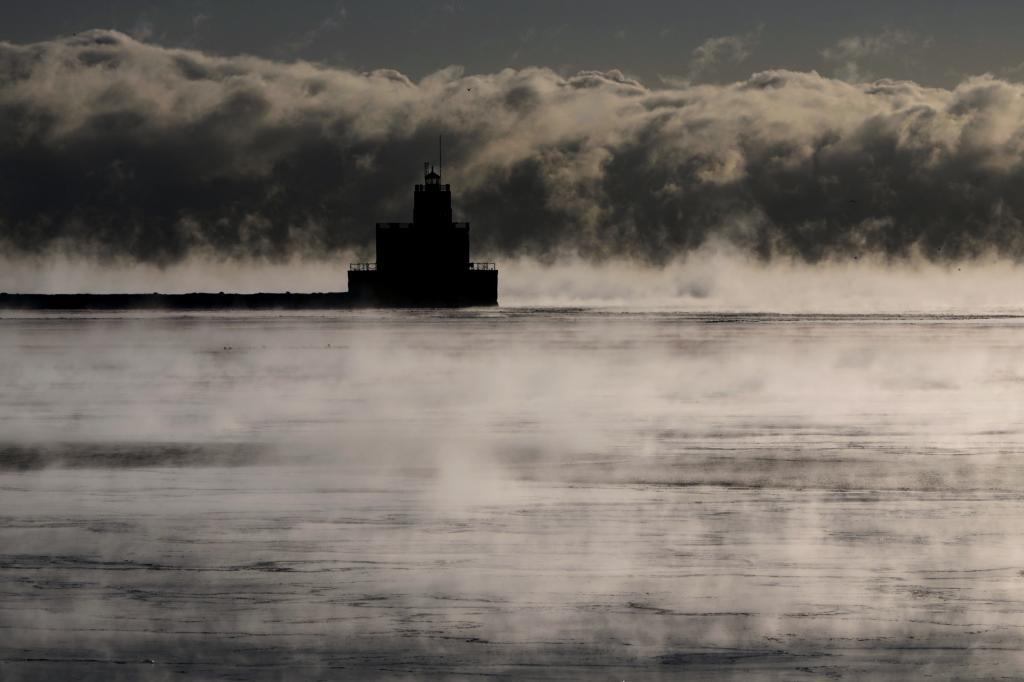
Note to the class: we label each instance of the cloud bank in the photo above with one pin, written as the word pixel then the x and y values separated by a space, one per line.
pixel 115 149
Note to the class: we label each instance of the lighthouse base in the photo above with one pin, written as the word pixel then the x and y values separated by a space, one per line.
pixel 458 289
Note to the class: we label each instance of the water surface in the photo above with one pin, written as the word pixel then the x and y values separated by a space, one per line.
pixel 522 493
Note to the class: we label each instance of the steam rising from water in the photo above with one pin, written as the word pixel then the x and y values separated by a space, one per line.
pixel 112 148
pixel 712 279
pixel 510 490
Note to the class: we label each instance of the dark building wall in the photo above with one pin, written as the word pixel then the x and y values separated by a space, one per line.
pixel 407 289
pixel 401 246
pixel 432 205
pixel 451 248
pixel 396 249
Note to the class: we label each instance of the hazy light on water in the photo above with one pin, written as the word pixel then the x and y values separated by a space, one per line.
pixel 513 486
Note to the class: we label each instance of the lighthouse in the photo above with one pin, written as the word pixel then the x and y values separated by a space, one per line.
pixel 424 263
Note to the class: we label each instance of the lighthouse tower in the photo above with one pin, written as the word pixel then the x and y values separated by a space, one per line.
pixel 425 262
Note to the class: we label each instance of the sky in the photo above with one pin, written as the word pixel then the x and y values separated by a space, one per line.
pixel 644 130
pixel 932 42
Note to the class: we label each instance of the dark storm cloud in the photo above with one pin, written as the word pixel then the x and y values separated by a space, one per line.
pixel 114 148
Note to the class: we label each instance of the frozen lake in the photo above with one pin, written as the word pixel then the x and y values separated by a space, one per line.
pixel 522 493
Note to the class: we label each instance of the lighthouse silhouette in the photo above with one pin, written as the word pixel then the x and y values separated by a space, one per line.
pixel 424 263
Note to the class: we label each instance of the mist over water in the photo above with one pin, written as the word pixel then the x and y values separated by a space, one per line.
pixel 710 280
pixel 542 492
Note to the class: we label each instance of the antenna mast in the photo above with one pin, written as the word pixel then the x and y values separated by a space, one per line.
pixel 440 154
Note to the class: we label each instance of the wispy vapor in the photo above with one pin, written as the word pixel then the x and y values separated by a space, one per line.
pixel 143 28
pixel 112 148
pixel 326 27
pixel 713 52
pixel 851 56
